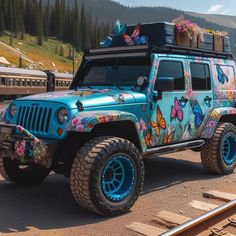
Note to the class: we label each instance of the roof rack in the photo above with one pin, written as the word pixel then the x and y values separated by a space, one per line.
pixel 145 50
pixel 191 52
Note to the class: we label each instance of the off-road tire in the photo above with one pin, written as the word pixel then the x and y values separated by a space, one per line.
pixel 86 175
pixel 30 175
pixel 211 154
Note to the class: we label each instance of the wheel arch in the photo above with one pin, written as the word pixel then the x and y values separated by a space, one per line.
pixel 217 116
pixel 108 123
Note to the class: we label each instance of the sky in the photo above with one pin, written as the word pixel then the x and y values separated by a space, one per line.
pixel 226 7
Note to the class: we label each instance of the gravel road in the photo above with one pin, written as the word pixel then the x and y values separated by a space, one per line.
pixel 172 181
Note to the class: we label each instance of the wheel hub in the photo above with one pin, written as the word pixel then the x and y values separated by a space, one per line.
pixel 118 178
pixel 229 149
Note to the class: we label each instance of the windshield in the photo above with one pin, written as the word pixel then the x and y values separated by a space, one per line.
pixel 113 72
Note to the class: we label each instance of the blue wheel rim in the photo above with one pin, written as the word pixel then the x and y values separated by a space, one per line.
pixel 118 178
pixel 229 149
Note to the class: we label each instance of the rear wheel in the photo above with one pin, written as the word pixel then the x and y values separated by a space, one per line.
pixel 24 175
pixel 107 176
pixel 219 153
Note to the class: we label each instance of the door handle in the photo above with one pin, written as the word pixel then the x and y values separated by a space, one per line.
pixel 207 99
pixel 183 100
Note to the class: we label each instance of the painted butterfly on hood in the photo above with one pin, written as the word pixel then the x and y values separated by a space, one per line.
pixel 197 111
pixel 176 111
pixel 222 77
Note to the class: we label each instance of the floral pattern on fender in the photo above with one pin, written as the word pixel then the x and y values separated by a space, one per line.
pixel 85 122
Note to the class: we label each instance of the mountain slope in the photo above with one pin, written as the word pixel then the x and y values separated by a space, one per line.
pixel 223 20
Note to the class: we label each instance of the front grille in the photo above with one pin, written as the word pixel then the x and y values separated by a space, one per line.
pixel 35 119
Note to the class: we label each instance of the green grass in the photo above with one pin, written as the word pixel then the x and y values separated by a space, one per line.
pixel 46 55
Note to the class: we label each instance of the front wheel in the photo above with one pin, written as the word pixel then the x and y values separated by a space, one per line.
pixel 107 176
pixel 219 153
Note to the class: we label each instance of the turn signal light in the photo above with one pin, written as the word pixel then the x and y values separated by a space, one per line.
pixel 59 131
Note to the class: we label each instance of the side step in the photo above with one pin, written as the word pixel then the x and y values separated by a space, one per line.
pixel 175 147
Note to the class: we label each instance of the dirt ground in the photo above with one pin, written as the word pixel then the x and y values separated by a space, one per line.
pixel 172 181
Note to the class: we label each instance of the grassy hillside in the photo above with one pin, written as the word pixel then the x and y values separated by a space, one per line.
pixel 53 55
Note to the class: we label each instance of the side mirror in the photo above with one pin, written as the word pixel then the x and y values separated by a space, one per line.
pixel 165 84
pixel 142 81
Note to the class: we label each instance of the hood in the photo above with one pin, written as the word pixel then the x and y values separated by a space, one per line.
pixel 89 97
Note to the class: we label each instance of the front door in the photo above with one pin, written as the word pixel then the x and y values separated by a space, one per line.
pixel 170 116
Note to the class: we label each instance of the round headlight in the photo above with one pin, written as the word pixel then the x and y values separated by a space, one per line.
pixel 62 115
pixel 13 110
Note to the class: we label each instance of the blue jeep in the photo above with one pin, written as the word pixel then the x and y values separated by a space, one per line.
pixel 125 104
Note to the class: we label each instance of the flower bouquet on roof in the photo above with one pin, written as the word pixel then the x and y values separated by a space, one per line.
pixel 188 34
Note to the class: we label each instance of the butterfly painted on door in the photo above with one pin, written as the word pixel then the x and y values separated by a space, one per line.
pixel 176 111
pixel 198 113
pixel 222 77
pixel 150 139
pixel 168 138
pixel 160 123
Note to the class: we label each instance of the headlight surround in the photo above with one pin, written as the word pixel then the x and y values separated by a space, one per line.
pixel 12 110
pixel 62 115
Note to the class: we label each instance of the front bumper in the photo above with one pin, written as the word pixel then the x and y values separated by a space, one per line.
pixel 18 143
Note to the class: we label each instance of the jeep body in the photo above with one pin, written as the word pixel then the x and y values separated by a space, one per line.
pixel 157 101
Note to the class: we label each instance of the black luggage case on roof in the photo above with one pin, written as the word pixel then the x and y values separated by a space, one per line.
pixel 159 34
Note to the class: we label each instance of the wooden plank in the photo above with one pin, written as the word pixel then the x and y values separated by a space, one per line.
pixel 169 219
pixel 226 197
pixel 204 206
pixel 144 229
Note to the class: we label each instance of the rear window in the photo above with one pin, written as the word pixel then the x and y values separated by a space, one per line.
pixel 201 78
pixel 225 77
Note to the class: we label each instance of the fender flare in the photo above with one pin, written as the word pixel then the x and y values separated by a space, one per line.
pixel 84 122
pixel 214 119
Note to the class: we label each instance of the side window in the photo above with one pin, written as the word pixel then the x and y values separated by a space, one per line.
pixel 175 70
pixel 3 81
pixel 201 79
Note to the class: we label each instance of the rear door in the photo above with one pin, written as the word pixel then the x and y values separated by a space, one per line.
pixel 201 95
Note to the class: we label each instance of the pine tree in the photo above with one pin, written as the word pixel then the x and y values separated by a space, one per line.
pixel 47 20
pixel 21 19
pixel 76 27
pixel 39 21
pixel 2 24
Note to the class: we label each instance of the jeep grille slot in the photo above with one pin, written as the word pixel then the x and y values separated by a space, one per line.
pixel 35 119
